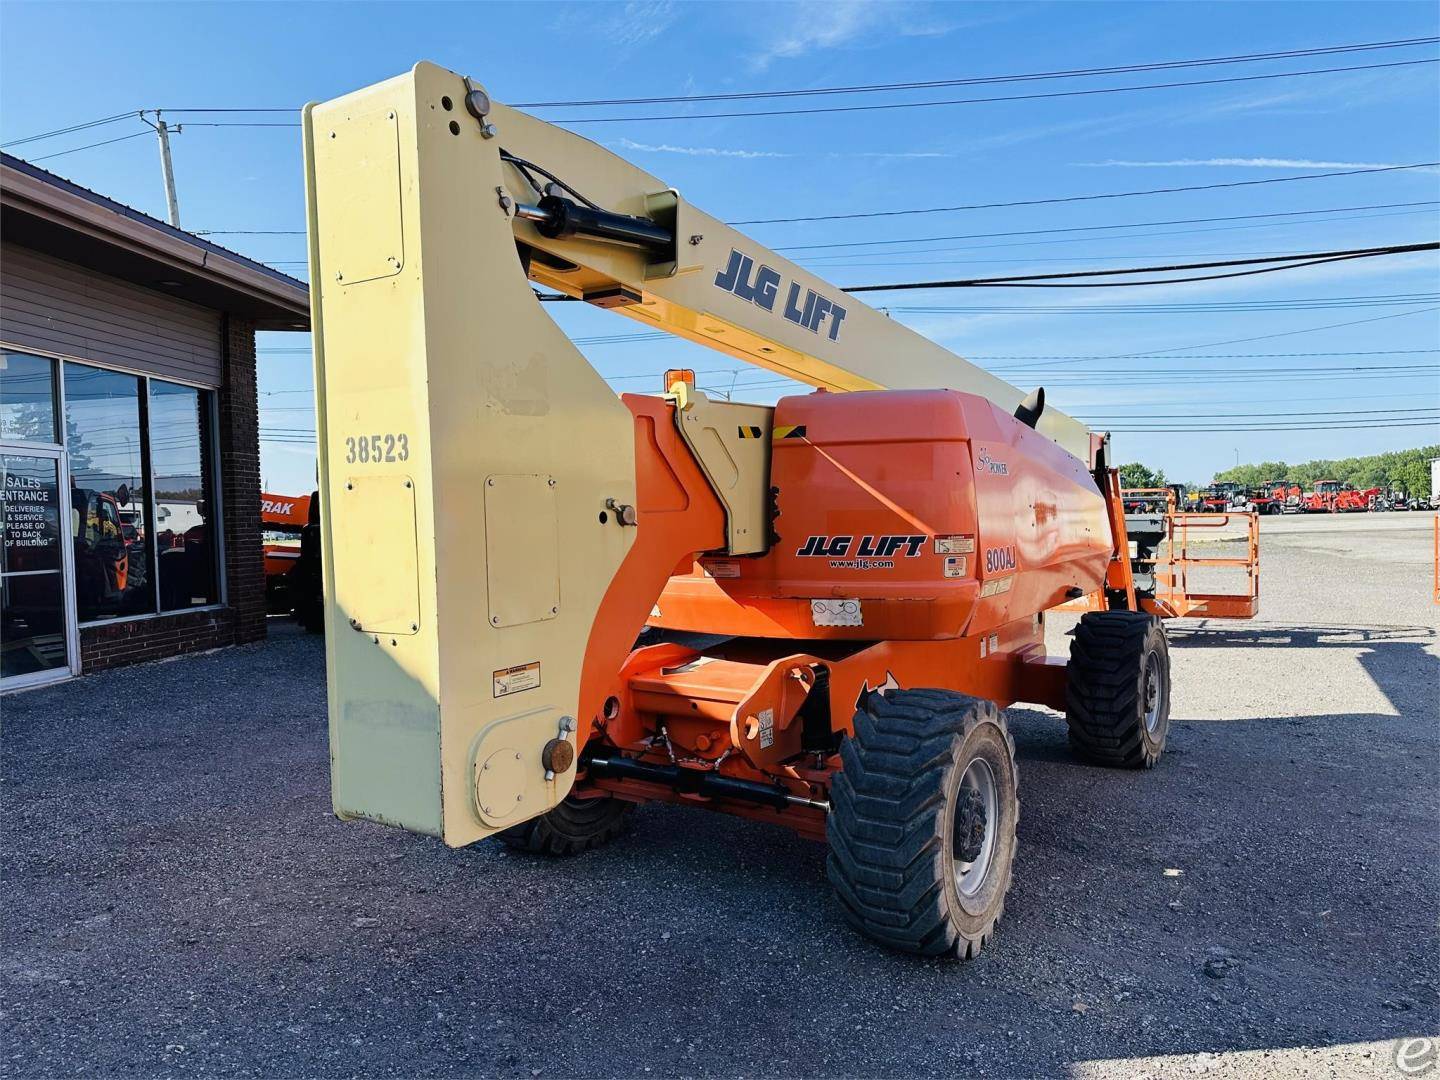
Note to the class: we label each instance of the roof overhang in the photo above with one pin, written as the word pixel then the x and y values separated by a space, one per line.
pixel 44 212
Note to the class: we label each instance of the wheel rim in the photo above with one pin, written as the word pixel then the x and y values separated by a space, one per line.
pixel 1151 700
pixel 977 821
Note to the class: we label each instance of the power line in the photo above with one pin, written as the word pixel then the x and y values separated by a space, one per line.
pixel 1176 308
pixel 867 88
pixel 872 88
pixel 1096 228
pixel 1089 198
pixel 88 146
pixel 1282 333
pixel 72 128
pixel 1031 281
pixel 754 113
pixel 1217 356
pixel 987 235
pixel 758 113
pixel 1271 427
pixel 1316 413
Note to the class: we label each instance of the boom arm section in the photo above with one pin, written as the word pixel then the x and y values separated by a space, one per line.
pixel 712 284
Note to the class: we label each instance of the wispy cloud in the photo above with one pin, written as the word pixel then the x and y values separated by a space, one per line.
pixel 1238 163
pixel 1339 94
pixel 697 151
pixel 814 25
pixel 727 152
pixel 623 26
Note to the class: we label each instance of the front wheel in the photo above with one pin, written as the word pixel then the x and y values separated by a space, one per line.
pixel 922 821
pixel 1117 698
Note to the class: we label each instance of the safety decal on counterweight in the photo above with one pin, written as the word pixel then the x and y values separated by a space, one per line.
pixel 512 680
pixel 996 586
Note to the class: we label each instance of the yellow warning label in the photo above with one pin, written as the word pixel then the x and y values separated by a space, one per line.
pixel 512 680
pixel 788 431
pixel 751 431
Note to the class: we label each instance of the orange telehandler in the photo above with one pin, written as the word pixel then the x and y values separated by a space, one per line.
pixel 839 593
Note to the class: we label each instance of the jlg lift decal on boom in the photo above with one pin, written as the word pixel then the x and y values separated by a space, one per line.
pixel 761 286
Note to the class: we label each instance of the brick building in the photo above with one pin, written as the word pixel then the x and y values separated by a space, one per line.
pixel 129 432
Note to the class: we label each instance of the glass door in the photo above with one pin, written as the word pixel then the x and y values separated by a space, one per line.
pixel 37 611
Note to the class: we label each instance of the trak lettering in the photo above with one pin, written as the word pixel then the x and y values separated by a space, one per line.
pixel 762 286
pixel 870 547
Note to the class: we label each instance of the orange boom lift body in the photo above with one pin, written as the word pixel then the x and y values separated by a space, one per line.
pixel 546 604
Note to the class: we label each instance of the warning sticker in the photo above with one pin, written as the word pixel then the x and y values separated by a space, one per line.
pixel 722 568
pixel 954 565
pixel 836 613
pixel 512 680
pixel 954 545
pixel 767 728
pixel 996 586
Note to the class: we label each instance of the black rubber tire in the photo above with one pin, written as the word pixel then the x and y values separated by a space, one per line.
pixel 892 858
pixel 574 826
pixel 1105 699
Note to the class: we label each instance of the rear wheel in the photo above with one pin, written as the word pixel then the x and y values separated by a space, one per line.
pixel 1117 701
pixel 922 821
pixel 575 825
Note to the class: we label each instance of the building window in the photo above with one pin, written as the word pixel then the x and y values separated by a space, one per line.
pixel 109 525
pixel 27 397
pixel 140 452
pixel 180 439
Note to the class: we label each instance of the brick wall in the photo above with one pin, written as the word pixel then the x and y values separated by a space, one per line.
pixel 134 640
pixel 239 437
pixel 243 617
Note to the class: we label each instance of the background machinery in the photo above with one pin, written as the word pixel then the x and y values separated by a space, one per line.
pixel 842 590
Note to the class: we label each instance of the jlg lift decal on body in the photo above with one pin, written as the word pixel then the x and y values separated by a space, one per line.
pixel 871 553
pixel 761 286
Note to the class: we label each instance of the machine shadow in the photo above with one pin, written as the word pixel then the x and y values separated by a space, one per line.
pixel 1401 660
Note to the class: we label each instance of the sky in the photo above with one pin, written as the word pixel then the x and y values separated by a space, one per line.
pixel 1241 356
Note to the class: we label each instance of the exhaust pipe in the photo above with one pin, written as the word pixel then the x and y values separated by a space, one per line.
pixel 696 782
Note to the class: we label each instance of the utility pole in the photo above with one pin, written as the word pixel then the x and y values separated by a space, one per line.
pixel 162 131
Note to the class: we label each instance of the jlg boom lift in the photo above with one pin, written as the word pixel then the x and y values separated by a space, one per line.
pixel 847 588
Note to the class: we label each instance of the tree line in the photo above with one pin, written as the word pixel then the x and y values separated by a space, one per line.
pixel 1409 469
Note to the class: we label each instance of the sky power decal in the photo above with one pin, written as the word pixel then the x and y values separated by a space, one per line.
pixel 762 286
pixel 871 553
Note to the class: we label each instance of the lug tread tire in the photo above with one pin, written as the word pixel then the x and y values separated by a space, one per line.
pixel 574 826
pixel 1102 699
pixel 886 828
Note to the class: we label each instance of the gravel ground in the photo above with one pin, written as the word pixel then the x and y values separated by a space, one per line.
pixel 178 899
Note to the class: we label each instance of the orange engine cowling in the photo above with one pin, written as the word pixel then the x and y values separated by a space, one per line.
pixel 903 515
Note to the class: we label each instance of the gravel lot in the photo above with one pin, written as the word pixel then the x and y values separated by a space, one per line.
pixel 178 899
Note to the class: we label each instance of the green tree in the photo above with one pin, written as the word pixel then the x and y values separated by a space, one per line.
pixel 1136 475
